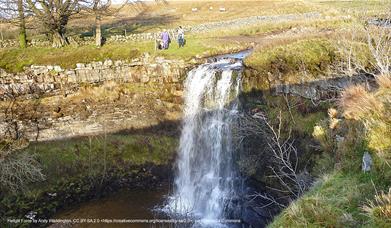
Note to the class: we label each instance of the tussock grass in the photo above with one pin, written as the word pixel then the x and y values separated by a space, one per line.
pixel 154 17
pixel 372 108
pixel 384 81
pixel 379 209
pixel 357 7
pixel 358 103
pixel 149 16
pixel 335 201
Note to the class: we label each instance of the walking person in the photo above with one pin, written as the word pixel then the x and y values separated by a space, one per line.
pixel 181 37
pixel 165 37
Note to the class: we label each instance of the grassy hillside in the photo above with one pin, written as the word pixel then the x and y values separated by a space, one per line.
pixel 314 56
pixel 14 59
pixel 151 16
pixel 154 17
pixel 345 196
pixel 262 36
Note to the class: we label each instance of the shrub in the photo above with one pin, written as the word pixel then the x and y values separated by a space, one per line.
pixel 16 171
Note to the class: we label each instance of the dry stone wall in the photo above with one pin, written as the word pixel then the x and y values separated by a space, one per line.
pixel 49 80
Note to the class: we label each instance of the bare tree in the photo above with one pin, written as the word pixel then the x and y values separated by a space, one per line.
pixel 17 168
pixel 54 15
pixel 379 42
pixel 99 9
pixel 285 167
pixel 104 8
pixel 372 33
pixel 282 159
pixel 14 11
pixel 22 25
pixel 348 66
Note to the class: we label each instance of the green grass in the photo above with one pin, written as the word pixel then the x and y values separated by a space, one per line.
pixel 314 56
pixel 337 198
pixel 342 190
pixel 331 203
pixel 335 201
pixel 14 59
pixel 86 156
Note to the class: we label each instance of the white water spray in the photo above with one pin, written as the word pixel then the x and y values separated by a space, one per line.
pixel 205 183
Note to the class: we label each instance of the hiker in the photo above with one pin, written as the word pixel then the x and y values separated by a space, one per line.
pixel 165 39
pixel 181 37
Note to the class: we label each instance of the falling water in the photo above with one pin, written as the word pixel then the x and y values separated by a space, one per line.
pixel 205 186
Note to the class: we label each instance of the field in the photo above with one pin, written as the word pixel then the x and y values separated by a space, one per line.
pixel 157 16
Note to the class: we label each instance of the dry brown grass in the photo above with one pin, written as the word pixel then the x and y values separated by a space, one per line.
pixel 152 16
pixel 373 110
pixel 380 207
pixel 110 90
pixel 182 10
pixel 358 103
pixel 384 81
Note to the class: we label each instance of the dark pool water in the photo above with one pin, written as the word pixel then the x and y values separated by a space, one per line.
pixel 126 204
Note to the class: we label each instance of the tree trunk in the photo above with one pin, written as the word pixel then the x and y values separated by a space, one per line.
pixel 22 25
pixel 98 31
pixel 58 39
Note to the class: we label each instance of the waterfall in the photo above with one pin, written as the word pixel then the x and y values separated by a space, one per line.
pixel 205 183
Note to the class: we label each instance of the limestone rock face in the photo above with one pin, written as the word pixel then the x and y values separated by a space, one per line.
pixel 323 89
pixel 92 98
